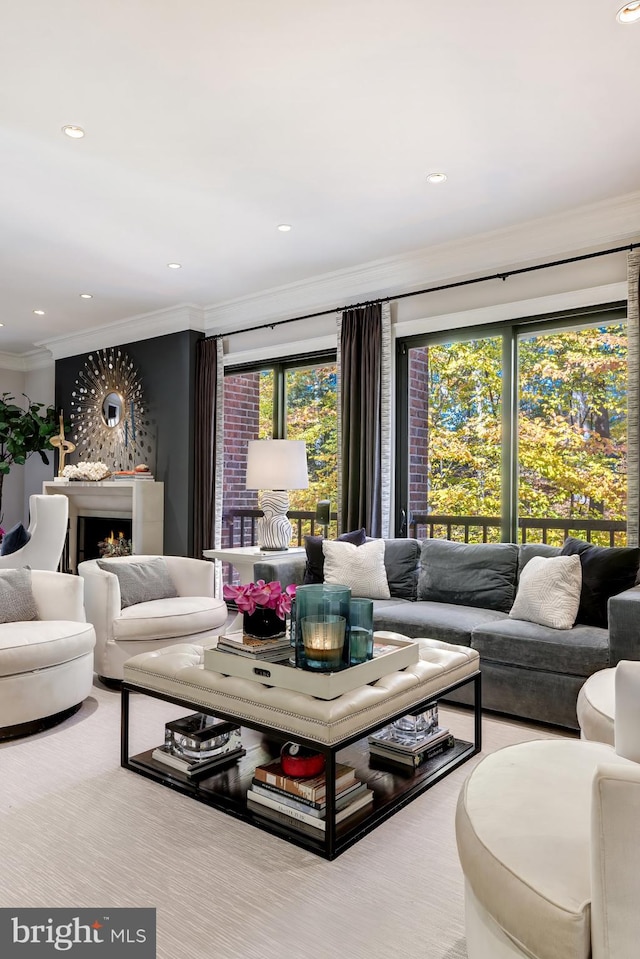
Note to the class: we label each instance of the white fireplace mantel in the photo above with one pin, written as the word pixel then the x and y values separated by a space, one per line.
pixel 141 501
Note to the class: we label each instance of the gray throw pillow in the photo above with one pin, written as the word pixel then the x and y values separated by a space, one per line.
pixel 17 603
pixel 141 582
pixel 402 563
pixel 468 574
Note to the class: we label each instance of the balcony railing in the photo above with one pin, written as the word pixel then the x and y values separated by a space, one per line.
pixel 240 528
pixel 474 529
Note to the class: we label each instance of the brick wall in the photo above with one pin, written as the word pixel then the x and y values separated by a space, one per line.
pixel 241 401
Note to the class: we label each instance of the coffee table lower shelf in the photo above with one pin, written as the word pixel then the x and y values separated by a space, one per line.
pixel 226 790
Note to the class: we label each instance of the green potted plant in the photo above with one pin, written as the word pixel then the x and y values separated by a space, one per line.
pixel 23 432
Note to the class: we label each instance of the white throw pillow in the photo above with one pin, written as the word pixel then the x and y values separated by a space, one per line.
pixel 359 567
pixel 549 592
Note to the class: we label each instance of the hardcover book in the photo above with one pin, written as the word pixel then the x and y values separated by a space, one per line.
pixel 387 737
pixel 313 788
pixel 268 650
pixel 196 768
pixel 298 815
pixel 341 794
pixel 412 760
pixel 313 809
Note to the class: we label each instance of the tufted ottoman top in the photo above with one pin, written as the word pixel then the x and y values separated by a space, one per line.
pixel 27 646
pixel 179 671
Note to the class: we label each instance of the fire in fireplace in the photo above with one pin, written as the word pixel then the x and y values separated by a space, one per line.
pixel 96 531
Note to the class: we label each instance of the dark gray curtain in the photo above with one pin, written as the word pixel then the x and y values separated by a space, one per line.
pixel 360 372
pixel 205 440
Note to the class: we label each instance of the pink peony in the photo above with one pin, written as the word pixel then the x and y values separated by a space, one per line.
pixel 251 596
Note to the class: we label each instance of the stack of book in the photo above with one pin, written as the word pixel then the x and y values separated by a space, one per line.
pixel 387 746
pixel 266 650
pixel 131 475
pixel 302 802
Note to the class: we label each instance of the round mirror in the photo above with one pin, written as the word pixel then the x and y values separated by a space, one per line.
pixel 112 409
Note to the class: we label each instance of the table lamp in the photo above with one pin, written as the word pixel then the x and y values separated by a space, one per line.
pixel 274 467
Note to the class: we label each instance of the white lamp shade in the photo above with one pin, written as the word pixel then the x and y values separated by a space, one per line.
pixel 277 464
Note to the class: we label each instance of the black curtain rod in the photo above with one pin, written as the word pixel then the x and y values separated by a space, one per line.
pixel 629 247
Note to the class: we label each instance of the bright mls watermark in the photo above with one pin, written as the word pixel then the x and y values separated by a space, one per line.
pixel 79 933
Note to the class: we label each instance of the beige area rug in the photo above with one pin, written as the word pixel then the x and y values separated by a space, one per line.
pixel 77 830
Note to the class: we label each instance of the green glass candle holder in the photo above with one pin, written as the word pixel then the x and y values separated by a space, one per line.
pixel 326 646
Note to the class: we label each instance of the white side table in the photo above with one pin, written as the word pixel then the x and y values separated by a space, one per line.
pixel 243 558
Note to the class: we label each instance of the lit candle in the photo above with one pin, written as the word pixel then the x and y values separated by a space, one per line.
pixel 323 638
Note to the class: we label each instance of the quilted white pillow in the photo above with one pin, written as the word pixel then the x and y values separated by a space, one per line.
pixel 549 592
pixel 359 567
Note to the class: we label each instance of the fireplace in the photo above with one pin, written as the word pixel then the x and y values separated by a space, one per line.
pixel 139 502
pixel 93 530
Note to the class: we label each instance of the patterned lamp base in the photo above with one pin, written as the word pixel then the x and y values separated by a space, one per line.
pixel 274 528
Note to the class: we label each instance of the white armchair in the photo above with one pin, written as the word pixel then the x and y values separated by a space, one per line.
pixel 548 837
pixel 48 521
pixel 193 616
pixel 46 664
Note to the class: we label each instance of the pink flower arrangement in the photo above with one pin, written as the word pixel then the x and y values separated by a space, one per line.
pixel 261 595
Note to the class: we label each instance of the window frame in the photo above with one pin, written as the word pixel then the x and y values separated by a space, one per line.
pixel 511 332
pixel 280 367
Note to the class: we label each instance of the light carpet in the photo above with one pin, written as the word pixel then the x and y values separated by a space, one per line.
pixel 77 830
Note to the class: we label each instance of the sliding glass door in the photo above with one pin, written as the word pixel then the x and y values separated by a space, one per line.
pixel 454 443
pixel 515 432
pixel 572 433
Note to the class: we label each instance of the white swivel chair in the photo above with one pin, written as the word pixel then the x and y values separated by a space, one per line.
pixel 46 664
pixel 192 616
pixel 49 519
pixel 548 836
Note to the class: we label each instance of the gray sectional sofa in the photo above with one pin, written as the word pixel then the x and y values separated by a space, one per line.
pixel 528 671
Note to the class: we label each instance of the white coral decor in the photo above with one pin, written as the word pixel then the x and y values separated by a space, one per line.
pixel 86 471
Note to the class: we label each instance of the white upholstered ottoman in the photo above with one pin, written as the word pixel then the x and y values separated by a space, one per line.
pixel 179 675
pixel 46 665
pixel 179 671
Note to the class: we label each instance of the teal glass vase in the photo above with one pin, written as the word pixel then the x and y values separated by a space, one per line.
pixel 322 627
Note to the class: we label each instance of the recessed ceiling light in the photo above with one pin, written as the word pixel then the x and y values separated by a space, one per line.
pixel 284 227
pixel 436 177
pixel 76 133
pixel 630 13
pixel 86 296
pixel 39 312
pixel 174 266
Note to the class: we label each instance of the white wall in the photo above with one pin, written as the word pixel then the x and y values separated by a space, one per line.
pixel 11 510
pixel 545 291
pixel 22 481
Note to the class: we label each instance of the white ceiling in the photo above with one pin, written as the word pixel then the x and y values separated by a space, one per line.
pixel 209 123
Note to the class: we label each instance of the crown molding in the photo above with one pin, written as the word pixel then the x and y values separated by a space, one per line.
pixel 173 319
pixel 607 223
pixel 26 362
pixel 612 222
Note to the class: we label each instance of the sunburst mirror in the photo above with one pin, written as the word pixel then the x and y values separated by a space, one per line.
pixel 109 418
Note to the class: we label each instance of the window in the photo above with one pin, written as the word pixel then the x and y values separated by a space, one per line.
pixel 515 432
pixel 291 399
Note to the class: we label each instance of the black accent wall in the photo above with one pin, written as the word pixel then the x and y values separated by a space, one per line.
pixel 166 368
